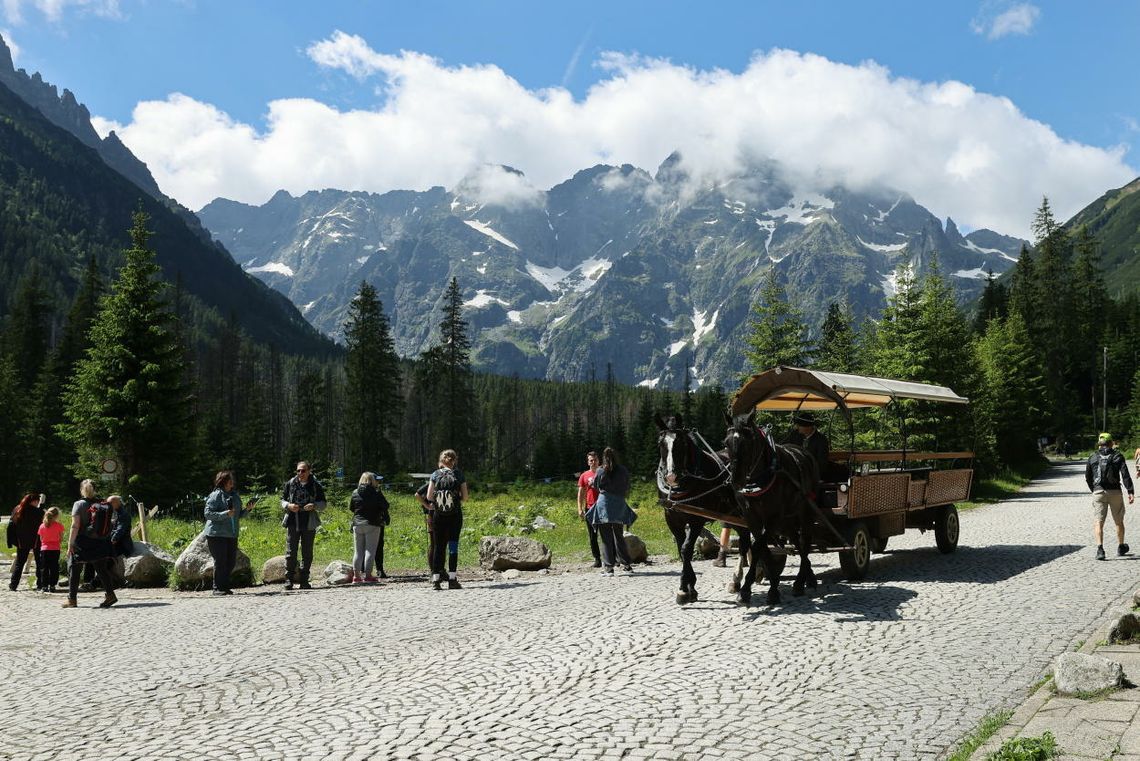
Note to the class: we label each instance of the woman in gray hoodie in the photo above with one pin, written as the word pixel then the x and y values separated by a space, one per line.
pixel 223 522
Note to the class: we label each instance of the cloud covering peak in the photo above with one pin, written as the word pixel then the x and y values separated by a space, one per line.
pixel 960 152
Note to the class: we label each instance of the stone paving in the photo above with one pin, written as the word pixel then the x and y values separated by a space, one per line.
pixel 572 665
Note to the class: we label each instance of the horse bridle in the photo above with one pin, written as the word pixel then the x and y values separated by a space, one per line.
pixel 759 456
pixel 720 480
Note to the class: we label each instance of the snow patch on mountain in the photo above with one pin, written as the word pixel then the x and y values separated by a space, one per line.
pixel 882 248
pixel 550 277
pixel 978 249
pixel 650 383
pixel 803 210
pixel 701 327
pixel 884 214
pixel 275 267
pixel 979 273
pixel 484 228
pixel 483 298
pixel 676 347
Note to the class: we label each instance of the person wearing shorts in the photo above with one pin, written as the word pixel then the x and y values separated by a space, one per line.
pixel 1105 470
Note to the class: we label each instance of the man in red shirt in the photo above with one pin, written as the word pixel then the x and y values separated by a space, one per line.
pixel 587 496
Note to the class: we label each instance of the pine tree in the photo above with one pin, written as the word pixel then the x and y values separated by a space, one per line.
pixel 992 305
pixel 777 335
pixel 26 333
pixel 448 380
pixel 129 398
pixel 836 350
pixel 372 390
pixel 1014 395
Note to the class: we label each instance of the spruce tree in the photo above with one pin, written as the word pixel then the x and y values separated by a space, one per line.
pixel 836 350
pixel 992 305
pixel 777 334
pixel 448 380
pixel 129 398
pixel 1014 396
pixel 372 385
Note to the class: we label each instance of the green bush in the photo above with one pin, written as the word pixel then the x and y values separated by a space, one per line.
pixel 1026 749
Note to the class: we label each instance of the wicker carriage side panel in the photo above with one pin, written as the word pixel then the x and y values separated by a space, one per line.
pixel 875 494
pixel 946 486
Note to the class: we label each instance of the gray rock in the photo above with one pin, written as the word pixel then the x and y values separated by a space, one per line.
pixel 708 545
pixel 148 565
pixel 195 567
pixel 273 572
pixel 1135 598
pixel 542 523
pixel 1126 629
pixel 338 573
pixel 510 573
pixel 637 550
pixel 1079 672
pixel 502 552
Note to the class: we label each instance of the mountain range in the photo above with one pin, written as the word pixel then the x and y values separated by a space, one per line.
pixel 648 274
pixel 67 195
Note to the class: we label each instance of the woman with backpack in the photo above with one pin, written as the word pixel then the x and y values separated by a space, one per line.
pixel 223 514
pixel 611 513
pixel 447 490
pixel 90 542
pixel 23 528
pixel 369 516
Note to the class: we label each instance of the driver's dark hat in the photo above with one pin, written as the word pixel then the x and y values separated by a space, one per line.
pixel 804 418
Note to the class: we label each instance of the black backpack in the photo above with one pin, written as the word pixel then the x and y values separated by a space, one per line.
pixel 99 524
pixel 446 492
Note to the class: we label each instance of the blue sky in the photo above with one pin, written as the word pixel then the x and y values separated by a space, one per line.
pixel 1060 63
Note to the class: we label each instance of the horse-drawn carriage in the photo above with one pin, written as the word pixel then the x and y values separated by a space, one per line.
pixel 851 505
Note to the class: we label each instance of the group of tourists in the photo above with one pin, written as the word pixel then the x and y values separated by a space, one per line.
pixel 100 528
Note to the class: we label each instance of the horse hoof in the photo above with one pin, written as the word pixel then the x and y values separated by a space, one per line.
pixel 733 587
pixel 773 597
pixel 744 601
pixel 682 598
pixel 798 589
pixel 692 595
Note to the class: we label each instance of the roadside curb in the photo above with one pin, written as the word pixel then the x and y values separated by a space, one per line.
pixel 1033 704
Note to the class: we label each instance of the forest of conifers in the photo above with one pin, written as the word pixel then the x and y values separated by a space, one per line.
pixel 118 373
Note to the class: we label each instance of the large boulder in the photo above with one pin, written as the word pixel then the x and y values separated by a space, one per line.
pixel 148 565
pixel 195 567
pixel 1126 629
pixel 1082 673
pixel 273 572
pixel 338 573
pixel 638 553
pixel 502 552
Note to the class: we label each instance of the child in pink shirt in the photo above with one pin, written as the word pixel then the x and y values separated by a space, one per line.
pixel 51 534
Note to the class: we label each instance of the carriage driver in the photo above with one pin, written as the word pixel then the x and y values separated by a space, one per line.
pixel 810 439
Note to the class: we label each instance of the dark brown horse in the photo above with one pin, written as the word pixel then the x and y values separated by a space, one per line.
pixel 687 474
pixel 774 483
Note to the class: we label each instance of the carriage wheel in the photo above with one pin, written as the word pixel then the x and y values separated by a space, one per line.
pixel 946 529
pixel 778 561
pixel 857 560
pixel 879 544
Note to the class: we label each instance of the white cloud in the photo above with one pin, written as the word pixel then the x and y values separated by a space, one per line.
pixel 12 46
pixel 497 185
pixel 54 10
pixel 1017 19
pixel 960 152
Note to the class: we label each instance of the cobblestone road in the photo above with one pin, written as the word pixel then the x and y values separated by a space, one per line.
pixel 572 666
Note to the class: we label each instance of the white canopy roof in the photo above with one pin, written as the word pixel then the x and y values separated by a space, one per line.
pixel 792 388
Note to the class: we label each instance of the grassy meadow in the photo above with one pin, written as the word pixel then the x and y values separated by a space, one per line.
pixel 503 511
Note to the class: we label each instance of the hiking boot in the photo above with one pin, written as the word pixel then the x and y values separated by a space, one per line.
pixel 357 579
pixel 607 572
pixel 453 584
pixel 382 574
pixel 370 579
pixel 306 585
pixel 436 586
pixel 227 591
pixel 721 559
pixel 626 570
pixel 109 600
pixel 288 586
pixel 1122 550
pixel 597 563
pixel 1100 553
pixel 71 603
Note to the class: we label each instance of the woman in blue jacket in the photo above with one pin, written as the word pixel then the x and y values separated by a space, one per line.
pixel 223 519
pixel 611 513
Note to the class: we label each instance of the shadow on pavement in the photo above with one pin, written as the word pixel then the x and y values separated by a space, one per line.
pixel 862 603
pixel 975 565
pixel 119 605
